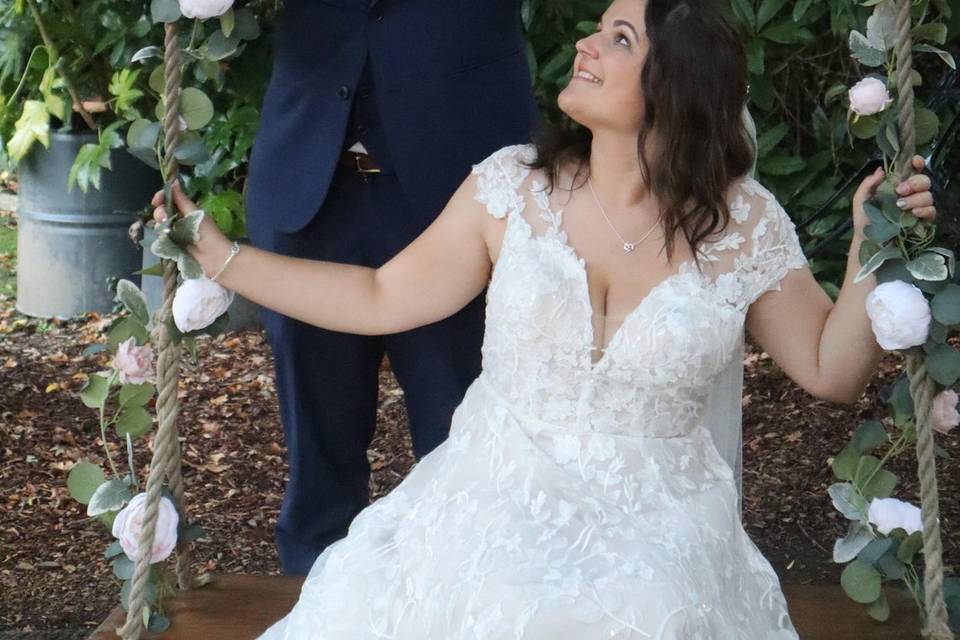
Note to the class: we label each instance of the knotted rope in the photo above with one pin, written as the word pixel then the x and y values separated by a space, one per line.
pixel 935 626
pixel 166 452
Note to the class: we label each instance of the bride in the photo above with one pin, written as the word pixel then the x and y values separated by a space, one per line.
pixel 580 493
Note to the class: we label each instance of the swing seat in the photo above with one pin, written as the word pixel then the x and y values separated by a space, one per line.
pixel 238 607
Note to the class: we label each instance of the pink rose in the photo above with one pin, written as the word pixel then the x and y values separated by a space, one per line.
pixel 869 96
pixel 128 527
pixel 943 414
pixel 134 364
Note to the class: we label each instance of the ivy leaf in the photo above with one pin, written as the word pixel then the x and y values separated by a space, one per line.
pixel 224 207
pixel 876 261
pixel 928 266
pixel 32 126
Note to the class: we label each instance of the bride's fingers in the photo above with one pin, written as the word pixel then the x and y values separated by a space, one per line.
pixel 918 163
pixel 157 198
pixel 160 214
pixel 925 213
pixel 913 184
pixel 917 200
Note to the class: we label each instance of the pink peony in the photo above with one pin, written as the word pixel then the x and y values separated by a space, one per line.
pixel 943 414
pixel 133 363
pixel 128 527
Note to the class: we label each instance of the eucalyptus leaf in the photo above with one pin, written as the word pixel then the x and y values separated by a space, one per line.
pixel 123 567
pixel 113 549
pixel 109 496
pixel 891 566
pixel 868 436
pixel 946 305
pixel 910 546
pixel 861 582
pixel 83 480
pixel 94 392
pixel 847 501
pixel 944 55
pixel 134 420
pixel 875 550
pixel 926 125
pixel 136 394
pixel 195 108
pixel 845 463
pixel 165 10
pixel 943 364
pixel 879 609
pixel 858 536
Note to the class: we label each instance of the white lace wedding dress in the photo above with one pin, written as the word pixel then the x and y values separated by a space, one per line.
pixel 573 499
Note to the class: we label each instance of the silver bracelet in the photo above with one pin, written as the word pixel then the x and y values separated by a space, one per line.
pixel 234 250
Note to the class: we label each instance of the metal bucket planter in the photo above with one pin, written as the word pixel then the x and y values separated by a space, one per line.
pixel 70 243
pixel 243 313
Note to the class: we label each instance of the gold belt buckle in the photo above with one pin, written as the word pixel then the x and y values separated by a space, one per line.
pixel 360 169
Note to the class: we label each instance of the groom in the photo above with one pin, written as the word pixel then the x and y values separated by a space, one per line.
pixel 375 111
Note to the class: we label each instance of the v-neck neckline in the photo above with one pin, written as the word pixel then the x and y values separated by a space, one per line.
pixel 560 238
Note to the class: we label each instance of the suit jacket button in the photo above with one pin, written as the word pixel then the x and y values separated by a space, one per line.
pixel 343 92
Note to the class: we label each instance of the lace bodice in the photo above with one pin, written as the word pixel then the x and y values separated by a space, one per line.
pixel 654 375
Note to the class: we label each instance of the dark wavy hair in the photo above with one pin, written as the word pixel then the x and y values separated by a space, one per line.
pixel 694 84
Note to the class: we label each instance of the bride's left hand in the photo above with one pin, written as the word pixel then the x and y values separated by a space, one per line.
pixel 212 245
pixel 913 195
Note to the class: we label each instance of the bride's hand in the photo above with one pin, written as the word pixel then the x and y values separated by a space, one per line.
pixel 913 195
pixel 212 246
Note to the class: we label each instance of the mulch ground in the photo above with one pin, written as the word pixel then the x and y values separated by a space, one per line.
pixel 54 582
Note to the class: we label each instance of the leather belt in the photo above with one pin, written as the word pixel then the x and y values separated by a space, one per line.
pixel 359 162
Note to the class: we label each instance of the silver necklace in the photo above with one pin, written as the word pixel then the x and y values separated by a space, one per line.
pixel 627 246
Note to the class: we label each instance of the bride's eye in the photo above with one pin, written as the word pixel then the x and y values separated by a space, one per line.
pixel 621 39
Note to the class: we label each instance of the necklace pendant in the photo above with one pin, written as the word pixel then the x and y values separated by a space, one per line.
pixel 629 247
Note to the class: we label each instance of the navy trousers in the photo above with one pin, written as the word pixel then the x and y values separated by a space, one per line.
pixel 328 381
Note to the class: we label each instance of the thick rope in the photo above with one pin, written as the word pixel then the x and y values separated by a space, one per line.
pixel 935 623
pixel 166 453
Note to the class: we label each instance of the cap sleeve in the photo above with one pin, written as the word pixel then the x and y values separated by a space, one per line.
pixel 774 247
pixel 499 177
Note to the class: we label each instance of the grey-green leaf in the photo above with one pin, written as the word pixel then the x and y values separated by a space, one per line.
pixel 83 480
pixel 109 496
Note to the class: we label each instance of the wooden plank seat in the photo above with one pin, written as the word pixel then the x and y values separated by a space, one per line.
pixel 237 607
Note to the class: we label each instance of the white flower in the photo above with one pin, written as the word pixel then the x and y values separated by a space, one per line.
pixel 128 527
pixel 899 314
pixel 133 363
pixel 203 9
pixel 943 414
pixel 889 513
pixel 198 302
pixel 869 96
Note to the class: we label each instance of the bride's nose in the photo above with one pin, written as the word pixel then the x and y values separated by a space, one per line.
pixel 586 47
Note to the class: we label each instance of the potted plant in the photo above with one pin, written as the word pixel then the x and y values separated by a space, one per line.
pixel 67 95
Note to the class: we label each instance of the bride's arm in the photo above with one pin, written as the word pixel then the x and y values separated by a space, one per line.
pixel 435 276
pixel 829 348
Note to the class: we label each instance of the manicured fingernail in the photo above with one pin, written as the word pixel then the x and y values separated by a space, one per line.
pixel 902 203
pixel 903 188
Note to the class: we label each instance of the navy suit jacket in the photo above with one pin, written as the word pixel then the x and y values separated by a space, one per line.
pixel 451 82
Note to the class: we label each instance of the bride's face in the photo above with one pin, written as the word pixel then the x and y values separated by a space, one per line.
pixel 604 91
